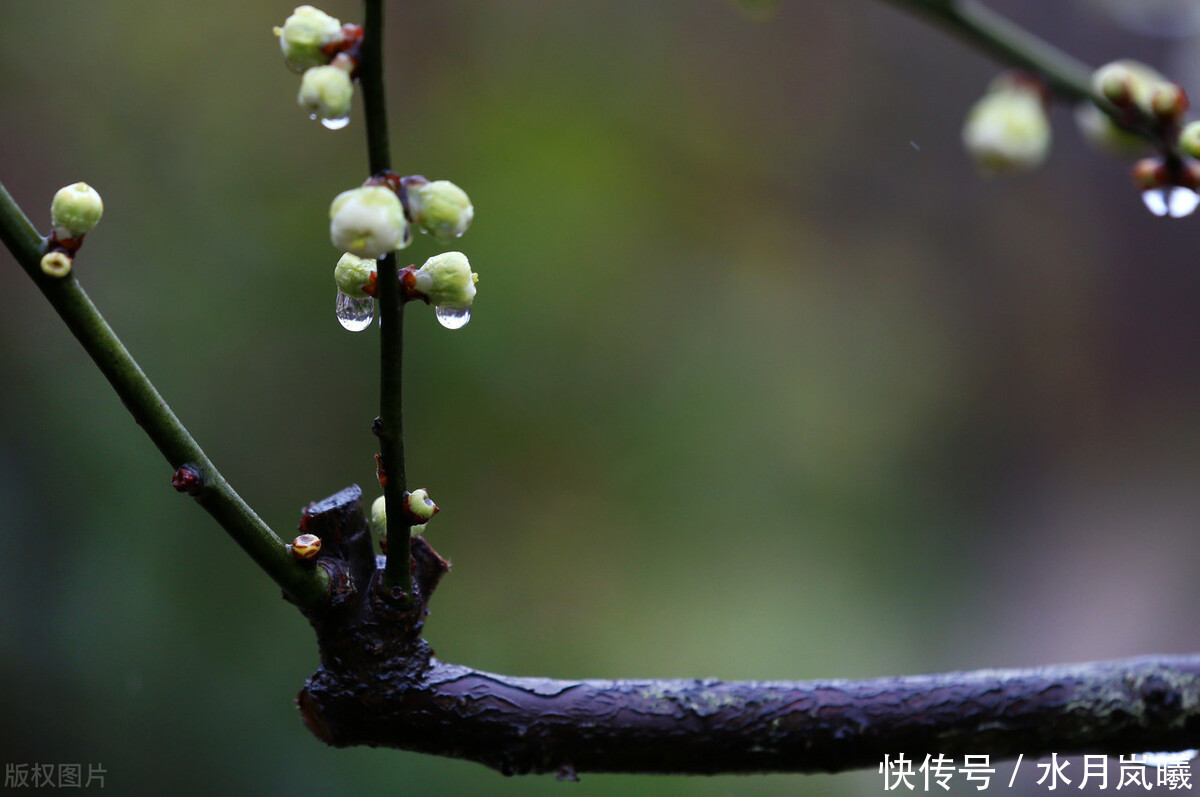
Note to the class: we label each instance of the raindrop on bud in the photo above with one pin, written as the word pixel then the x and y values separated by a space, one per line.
pixel 354 314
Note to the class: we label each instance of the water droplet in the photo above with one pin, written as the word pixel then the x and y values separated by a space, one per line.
pixel 312 116
pixel 452 318
pixel 1172 200
pixel 336 124
pixel 354 314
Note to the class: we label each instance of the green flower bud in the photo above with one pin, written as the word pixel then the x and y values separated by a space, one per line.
pixel 1189 139
pixel 368 222
pixel 304 34
pixel 352 274
pixel 379 516
pixel 1007 130
pixel 419 507
pixel 56 264
pixel 447 281
pixel 326 92
pixel 75 210
pixel 441 208
pixel 378 519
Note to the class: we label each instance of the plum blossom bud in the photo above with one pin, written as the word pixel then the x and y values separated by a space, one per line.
pixel 440 208
pixel 1189 139
pixel 1127 85
pixel 306 547
pixel 354 275
pixel 1007 130
pixel 378 519
pixel 447 281
pixel 419 507
pixel 303 36
pixel 75 210
pixel 326 92
pixel 368 222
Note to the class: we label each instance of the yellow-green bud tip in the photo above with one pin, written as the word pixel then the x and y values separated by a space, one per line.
pixel 326 92
pixel 368 222
pixel 303 36
pixel 56 264
pixel 442 209
pixel 75 210
pixel 448 281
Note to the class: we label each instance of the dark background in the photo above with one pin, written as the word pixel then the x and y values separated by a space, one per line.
pixel 763 380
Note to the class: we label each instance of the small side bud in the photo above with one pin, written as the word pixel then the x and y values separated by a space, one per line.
pixel 326 93
pixel 1007 129
pixel 304 36
pixel 355 276
pixel 75 210
pixel 368 222
pixel 187 480
pixel 418 507
pixel 440 208
pixel 306 547
pixel 56 264
pixel 446 280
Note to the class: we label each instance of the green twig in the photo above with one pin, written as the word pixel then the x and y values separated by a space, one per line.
pixel 305 585
pixel 391 315
pixel 1010 43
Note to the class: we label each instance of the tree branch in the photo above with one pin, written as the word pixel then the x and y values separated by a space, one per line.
pixel 304 585
pixel 380 685
pixel 391 309
pixel 1000 38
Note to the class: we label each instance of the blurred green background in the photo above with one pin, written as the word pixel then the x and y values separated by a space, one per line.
pixel 723 263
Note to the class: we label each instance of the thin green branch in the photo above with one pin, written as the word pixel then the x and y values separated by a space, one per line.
pixel 1010 43
pixel 305 585
pixel 397 573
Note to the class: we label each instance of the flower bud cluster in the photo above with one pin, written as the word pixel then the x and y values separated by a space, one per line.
pixel 326 51
pixel 369 222
pixel 1141 96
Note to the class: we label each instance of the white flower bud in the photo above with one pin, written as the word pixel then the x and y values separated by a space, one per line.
pixel 1007 130
pixel 447 281
pixel 352 274
pixel 75 210
pixel 326 92
pixel 368 222
pixel 303 36
pixel 440 208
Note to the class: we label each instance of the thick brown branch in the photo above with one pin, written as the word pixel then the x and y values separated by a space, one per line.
pixel 380 685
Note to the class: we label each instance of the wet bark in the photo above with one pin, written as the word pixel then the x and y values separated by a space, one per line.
pixel 380 685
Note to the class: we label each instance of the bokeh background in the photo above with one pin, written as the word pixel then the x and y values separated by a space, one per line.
pixel 764 381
